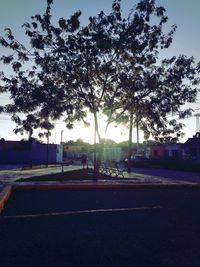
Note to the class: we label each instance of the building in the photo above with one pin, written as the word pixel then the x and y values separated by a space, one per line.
pixel 192 148
pixel 112 153
pixel 29 152
pixel 168 150
pixel 75 151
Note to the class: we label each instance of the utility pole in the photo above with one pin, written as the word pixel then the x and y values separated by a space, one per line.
pixel 55 137
pixel 197 122
pixel 48 134
pixel 61 139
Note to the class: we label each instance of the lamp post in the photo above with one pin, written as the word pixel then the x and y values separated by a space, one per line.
pixel 61 138
pixel 47 155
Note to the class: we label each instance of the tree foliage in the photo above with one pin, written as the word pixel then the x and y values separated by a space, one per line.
pixel 108 66
pixel 158 92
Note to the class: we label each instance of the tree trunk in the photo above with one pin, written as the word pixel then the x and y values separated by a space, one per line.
pixel 96 132
pixel 130 143
pixel 30 144
pixel 138 141
pixel 95 151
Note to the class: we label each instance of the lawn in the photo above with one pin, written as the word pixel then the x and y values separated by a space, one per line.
pixel 83 174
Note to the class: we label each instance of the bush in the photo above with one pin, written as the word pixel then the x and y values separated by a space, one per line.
pixel 175 164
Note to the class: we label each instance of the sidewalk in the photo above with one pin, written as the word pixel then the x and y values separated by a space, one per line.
pixel 165 175
pixel 138 175
pixel 10 175
pixel 153 179
pixel 175 175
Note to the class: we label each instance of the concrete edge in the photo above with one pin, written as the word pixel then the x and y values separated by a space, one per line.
pixel 7 191
pixel 96 185
pixel 4 196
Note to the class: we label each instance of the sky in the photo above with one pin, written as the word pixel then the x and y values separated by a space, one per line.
pixel 183 13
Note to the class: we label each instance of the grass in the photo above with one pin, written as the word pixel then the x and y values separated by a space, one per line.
pixel 83 174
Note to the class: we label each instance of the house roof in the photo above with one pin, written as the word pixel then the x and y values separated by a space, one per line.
pixel 194 141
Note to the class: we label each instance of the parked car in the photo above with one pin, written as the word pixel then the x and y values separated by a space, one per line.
pixel 137 160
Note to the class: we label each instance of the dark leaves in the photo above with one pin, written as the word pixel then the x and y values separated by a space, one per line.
pixel 38 18
pixel 73 22
pixel 16 119
pixel 160 11
pixel 116 6
pixel 16 66
pixel 34 25
pixel 146 6
pixel 56 31
pixel 110 64
pixel 117 10
pixel 26 25
pixel 62 23
pixel 37 42
pixel 9 108
pixel 3 42
pixel 1 109
pixel 50 2
pixel 69 125
pixel 29 33
pixel 7 60
pixel 14 45
pixel 185 114
pixel 9 34
pixel 101 15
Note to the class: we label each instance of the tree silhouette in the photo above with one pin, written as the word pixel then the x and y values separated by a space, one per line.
pixel 109 66
pixel 157 92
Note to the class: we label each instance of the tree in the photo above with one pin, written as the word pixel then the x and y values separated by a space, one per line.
pixel 38 96
pixel 158 92
pixel 107 66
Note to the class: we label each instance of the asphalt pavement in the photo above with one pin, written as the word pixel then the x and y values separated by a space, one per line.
pixel 148 227
pixel 145 226
pixel 182 176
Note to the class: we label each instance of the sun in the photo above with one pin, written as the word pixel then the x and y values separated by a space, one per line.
pixel 117 133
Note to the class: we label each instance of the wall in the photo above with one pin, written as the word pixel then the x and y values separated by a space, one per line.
pixel 112 154
pixel 157 151
pixel 43 153
pixel 14 152
pixel 166 151
pixel 27 152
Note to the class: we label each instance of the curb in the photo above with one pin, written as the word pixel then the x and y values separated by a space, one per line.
pixel 8 190
pixel 4 196
pixel 96 185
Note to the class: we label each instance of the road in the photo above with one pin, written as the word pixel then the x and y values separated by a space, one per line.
pixel 169 174
pixel 154 227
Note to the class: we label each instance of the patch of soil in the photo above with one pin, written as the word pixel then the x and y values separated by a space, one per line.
pixel 84 174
